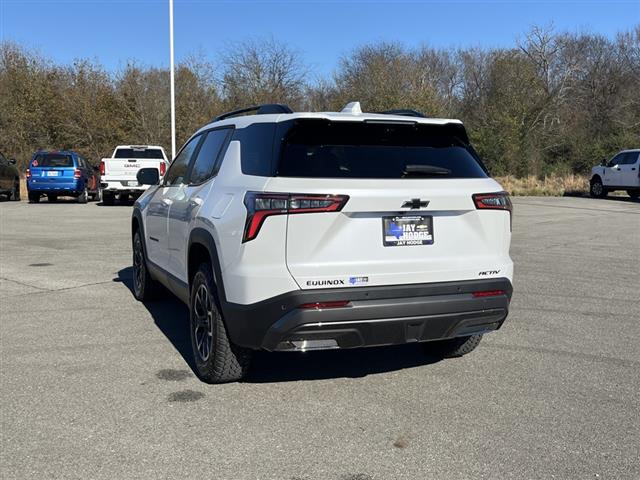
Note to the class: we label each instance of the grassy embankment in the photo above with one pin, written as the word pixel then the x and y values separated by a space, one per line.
pixel 552 186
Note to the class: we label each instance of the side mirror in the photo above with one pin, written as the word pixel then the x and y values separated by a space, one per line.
pixel 12 161
pixel 148 176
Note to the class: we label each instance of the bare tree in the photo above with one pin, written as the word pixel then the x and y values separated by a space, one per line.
pixel 262 72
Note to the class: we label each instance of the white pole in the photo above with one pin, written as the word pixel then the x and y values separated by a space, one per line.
pixel 173 87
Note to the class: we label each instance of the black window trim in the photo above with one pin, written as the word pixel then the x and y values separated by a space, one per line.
pixel 218 161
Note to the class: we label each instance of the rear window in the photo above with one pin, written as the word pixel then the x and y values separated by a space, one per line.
pixel 323 149
pixel 154 153
pixel 52 160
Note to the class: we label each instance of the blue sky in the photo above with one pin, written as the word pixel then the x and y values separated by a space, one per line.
pixel 115 31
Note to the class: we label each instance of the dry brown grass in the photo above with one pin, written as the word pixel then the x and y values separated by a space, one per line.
pixel 554 186
pixel 23 189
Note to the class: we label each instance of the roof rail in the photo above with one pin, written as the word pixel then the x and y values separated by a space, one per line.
pixel 405 112
pixel 263 109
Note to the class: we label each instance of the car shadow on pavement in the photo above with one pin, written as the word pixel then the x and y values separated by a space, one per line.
pixel 171 317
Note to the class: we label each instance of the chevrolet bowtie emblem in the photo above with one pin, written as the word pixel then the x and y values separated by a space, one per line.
pixel 415 203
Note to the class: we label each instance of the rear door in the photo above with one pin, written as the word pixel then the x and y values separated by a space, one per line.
pixel 629 170
pixel 410 216
pixel 189 194
pixel 52 168
pixel 157 216
pixel 86 174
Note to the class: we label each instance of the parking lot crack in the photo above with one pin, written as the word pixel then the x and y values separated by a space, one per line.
pixel 26 284
pixel 53 290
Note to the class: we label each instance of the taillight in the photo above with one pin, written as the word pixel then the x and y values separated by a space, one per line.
pixel 323 305
pixel 102 167
pixel 263 205
pixel 163 168
pixel 494 201
pixel 28 173
pixel 77 173
pixel 488 293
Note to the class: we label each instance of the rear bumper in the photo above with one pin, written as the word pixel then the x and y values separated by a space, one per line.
pixel 375 316
pixel 121 186
pixel 71 187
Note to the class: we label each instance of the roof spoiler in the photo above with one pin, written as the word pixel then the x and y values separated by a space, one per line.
pixel 264 109
pixel 405 112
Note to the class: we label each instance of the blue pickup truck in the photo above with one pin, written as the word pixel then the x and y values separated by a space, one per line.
pixel 62 173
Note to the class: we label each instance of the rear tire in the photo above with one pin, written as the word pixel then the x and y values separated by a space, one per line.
pixel 34 197
pixel 52 198
pixel 144 287
pixel 15 192
pixel 84 196
pixel 107 198
pixel 453 347
pixel 596 188
pixel 217 360
pixel 634 194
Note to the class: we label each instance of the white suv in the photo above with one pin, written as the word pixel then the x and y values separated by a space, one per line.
pixel 301 231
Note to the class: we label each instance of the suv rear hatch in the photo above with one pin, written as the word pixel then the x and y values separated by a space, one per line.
pixel 126 162
pixel 52 168
pixel 402 206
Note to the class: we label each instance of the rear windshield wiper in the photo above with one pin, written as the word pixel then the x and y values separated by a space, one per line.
pixel 424 170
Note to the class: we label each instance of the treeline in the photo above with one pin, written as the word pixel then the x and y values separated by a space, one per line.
pixel 554 103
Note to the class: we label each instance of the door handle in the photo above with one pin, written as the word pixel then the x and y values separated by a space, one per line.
pixel 167 201
pixel 618 168
pixel 633 168
pixel 197 201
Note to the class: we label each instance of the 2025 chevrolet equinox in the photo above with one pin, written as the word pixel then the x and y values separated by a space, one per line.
pixel 301 231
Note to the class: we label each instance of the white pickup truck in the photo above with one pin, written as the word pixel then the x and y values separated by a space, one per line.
pixel 622 172
pixel 118 173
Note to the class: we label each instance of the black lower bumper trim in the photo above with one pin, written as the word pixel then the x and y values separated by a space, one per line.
pixel 375 316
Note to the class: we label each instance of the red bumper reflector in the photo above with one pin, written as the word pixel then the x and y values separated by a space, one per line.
pixel 322 305
pixel 489 293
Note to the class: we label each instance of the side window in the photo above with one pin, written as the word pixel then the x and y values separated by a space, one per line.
pixel 178 169
pixel 209 156
pixel 256 148
pixel 630 158
pixel 617 160
pixel 3 160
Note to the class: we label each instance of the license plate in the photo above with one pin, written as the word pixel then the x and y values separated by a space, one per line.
pixel 131 184
pixel 407 230
pixel 52 173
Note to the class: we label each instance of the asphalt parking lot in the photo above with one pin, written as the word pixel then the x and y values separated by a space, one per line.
pixel 97 385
